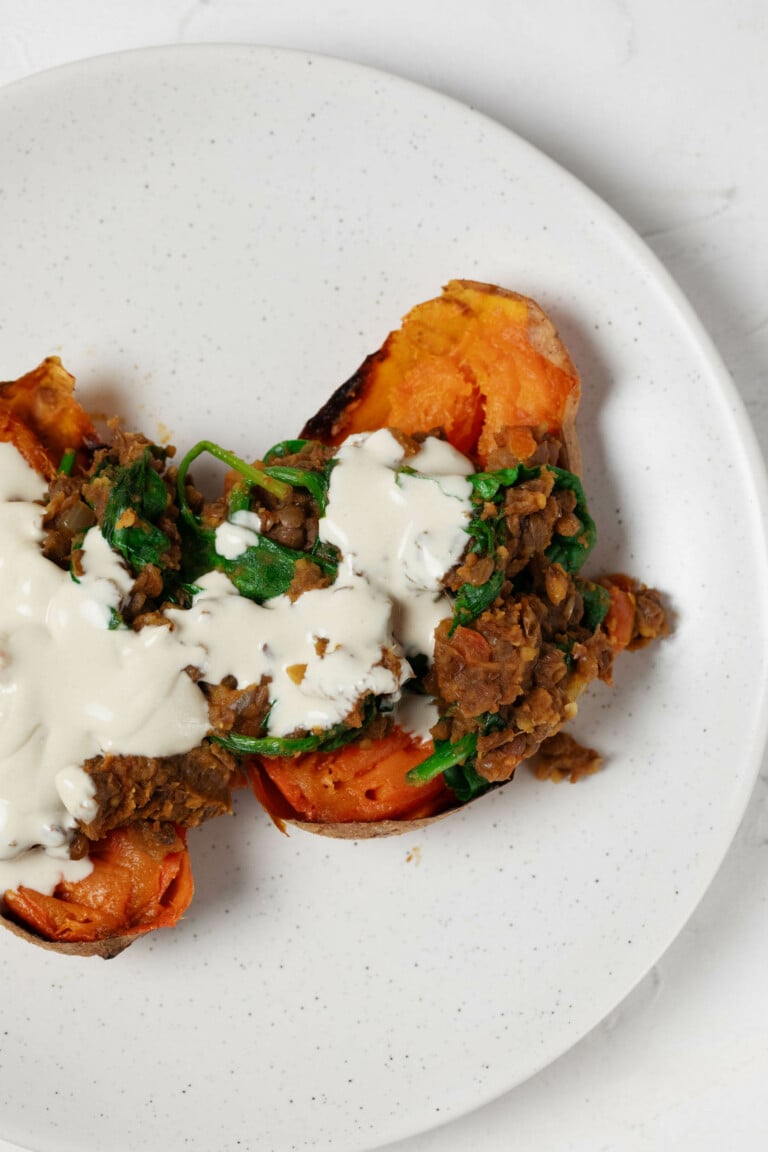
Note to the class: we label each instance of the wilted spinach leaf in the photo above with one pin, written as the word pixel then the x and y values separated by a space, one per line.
pixel 265 569
pixel 572 551
pixel 465 781
pixel 137 498
pixel 472 600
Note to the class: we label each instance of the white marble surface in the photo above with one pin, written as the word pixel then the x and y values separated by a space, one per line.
pixel 661 108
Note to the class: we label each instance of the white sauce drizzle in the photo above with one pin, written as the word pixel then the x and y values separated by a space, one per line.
pixel 416 714
pixel 404 532
pixel 237 534
pixel 248 641
pixel 70 688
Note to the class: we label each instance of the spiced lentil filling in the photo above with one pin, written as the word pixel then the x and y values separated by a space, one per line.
pixel 77 503
pixel 510 677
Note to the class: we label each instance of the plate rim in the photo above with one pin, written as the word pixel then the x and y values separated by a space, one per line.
pixel 686 319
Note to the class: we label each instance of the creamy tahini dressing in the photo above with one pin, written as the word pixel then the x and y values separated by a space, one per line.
pixel 235 535
pixel 321 651
pixel 71 688
pixel 402 532
pixel 416 715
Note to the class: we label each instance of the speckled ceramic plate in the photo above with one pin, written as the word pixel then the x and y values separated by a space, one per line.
pixel 212 238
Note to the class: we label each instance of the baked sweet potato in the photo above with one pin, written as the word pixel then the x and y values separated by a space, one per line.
pixel 141 877
pixel 40 416
pixel 486 368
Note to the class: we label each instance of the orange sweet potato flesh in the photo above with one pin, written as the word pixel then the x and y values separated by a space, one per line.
pixel 487 366
pixel 13 431
pixel 478 361
pixel 360 783
pixel 40 416
pixel 140 881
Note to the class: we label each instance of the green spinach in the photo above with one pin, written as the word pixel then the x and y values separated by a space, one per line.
pixel 137 498
pixel 472 600
pixel 327 741
pixel 571 551
pixel 67 462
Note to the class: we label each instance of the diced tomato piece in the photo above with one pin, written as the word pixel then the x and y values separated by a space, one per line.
pixel 471 645
pixel 620 619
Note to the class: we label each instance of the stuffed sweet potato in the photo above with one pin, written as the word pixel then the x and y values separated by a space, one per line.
pixel 92 842
pixel 525 632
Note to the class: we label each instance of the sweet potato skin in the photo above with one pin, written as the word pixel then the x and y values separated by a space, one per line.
pixel 106 949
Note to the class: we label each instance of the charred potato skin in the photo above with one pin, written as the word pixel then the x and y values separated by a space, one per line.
pixel 107 949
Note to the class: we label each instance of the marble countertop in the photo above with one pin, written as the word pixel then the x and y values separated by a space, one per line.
pixel 661 109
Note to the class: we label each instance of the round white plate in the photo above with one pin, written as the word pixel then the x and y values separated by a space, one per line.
pixel 212 239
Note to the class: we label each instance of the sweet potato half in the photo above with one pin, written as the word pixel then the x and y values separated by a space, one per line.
pixel 40 416
pixel 487 367
pixel 141 878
